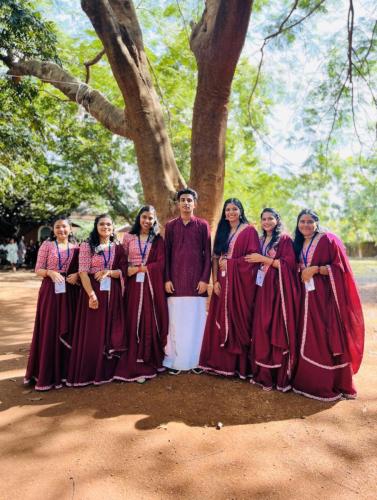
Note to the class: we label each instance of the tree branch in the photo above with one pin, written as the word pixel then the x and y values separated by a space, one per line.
pixel 111 117
pixel 221 21
pixel 92 62
pixel 350 25
pixel 296 23
pixel 283 23
pixel 374 31
pixel 116 24
pixel 126 16
pixel 281 29
pixel 183 20
pixel 362 76
pixel 335 106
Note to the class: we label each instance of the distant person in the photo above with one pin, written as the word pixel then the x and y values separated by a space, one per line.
pixel 30 256
pixel 274 330
pixel 57 264
pixel 12 253
pixel 187 273
pixel 3 252
pixel 145 301
pixel 21 252
pixel 331 324
pixel 227 334
pixel 99 338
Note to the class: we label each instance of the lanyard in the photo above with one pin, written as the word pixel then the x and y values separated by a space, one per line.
pixel 144 250
pixel 306 254
pixel 62 264
pixel 265 249
pixel 233 235
pixel 106 261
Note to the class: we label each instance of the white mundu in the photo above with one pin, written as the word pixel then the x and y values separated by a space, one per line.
pixel 187 318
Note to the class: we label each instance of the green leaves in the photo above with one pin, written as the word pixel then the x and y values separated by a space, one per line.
pixel 23 33
pixel 53 160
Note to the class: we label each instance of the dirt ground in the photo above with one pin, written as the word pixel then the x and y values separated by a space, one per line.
pixel 159 440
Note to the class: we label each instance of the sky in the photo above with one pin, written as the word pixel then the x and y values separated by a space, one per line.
pixel 299 70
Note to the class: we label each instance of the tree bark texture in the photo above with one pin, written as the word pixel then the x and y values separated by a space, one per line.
pixel 94 102
pixel 117 26
pixel 216 42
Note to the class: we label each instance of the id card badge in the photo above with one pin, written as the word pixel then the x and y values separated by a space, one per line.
pixel 260 277
pixel 309 285
pixel 60 287
pixel 140 277
pixel 105 284
pixel 223 274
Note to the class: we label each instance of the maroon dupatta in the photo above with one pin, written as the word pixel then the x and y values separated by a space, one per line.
pixel 234 307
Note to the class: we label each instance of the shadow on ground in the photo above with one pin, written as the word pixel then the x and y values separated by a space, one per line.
pixel 196 400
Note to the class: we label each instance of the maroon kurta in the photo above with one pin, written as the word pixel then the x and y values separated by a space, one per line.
pixel 188 255
pixel 54 322
pixel 147 320
pixel 99 338
pixel 273 352
pixel 228 328
pixel 331 326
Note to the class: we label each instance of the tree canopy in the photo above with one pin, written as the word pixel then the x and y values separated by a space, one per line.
pixel 55 156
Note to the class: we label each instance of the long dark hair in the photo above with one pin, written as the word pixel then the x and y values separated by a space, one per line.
pixel 52 236
pixel 154 230
pixel 298 240
pixel 223 227
pixel 278 229
pixel 94 239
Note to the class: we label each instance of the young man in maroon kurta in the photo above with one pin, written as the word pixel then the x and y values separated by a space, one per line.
pixel 187 273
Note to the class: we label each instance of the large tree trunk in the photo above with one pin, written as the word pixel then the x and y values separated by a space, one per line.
pixel 116 24
pixel 216 41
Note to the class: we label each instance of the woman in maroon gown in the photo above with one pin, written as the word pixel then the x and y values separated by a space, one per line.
pixel 145 301
pixel 57 264
pixel 227 333
pixel 331 320
pixel 273 351
pixel 98 338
